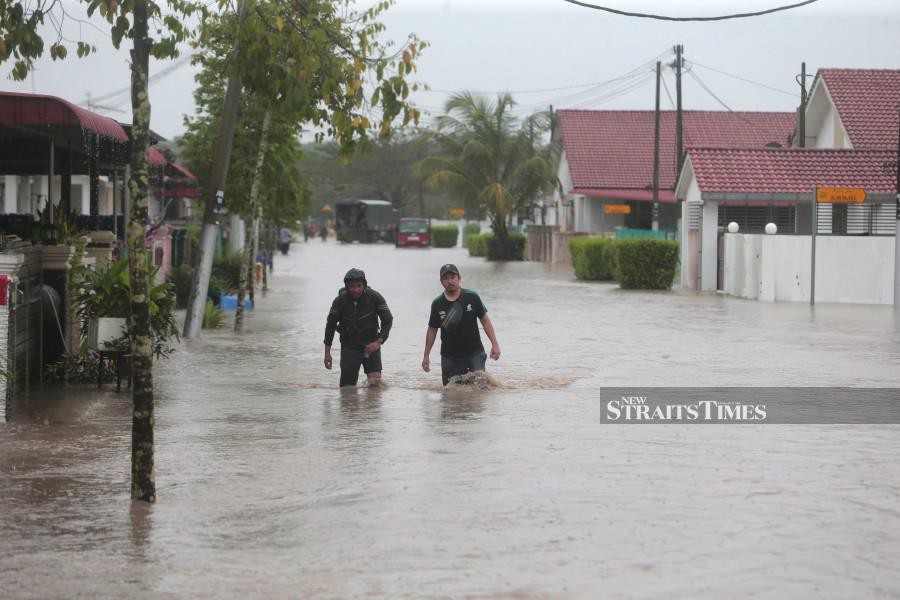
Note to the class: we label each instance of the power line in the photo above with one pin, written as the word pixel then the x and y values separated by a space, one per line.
pixel 710 92
pixel 774 89
pixel 586 94
pixel 155 77
pixel 613 94
pixel 539 91
pixel 639 71
pixel 667 18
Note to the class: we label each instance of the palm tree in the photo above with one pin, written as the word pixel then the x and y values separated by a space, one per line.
pixel 492 160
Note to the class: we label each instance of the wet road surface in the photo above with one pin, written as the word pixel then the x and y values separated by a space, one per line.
pixel 273 483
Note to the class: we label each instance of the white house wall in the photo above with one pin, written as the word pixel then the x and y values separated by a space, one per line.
pixel 565 179
pixel 848 269
pixel 824 127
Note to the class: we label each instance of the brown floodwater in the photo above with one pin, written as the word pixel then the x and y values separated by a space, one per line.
pixel 273 483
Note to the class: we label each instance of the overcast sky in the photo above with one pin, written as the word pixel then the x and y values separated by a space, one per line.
pixel 528 45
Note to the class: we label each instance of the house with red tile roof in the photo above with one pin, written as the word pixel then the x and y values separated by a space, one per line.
pixel 851 138
pixel 853 108
pixel 607 160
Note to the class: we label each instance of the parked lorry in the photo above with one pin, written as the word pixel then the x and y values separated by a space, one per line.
pixel 364 221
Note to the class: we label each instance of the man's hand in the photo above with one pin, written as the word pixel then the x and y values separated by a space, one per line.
pixel 328 358
pixel 426 364
pixel 495 351
pixel 371 349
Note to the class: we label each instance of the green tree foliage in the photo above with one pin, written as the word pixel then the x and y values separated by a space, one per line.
pixel 384 172
pixel 492 160
pixel 315 63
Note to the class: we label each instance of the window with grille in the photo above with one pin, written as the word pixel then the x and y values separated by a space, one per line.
pixel 753 219
pixel 857 219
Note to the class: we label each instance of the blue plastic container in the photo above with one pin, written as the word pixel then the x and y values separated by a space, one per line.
pixel 230 303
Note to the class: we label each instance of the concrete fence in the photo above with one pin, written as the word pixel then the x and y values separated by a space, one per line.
pixel 546 243
pixel 851 269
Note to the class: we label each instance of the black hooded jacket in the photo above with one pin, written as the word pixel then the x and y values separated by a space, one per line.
pixel 358 323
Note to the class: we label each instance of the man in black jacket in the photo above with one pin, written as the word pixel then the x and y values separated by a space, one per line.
pixel 356 313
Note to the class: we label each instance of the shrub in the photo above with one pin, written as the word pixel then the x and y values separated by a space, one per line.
pixel 227 269
pixel 611 258
pixel 478 243
pixel 213 317
pixel 512 247
pixel 646 263
pixel 180 278
pixel 592 258
pixel 82 366
pixel 444 236
pixel 472 228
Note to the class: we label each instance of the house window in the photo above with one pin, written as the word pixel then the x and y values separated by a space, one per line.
pixel 641 215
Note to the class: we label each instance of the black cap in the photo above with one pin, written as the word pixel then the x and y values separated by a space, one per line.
pixel 449 268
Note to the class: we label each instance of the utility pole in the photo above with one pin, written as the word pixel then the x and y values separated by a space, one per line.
pixel 655 225
pixel 679 132
pixel 215 196
pixel 801 117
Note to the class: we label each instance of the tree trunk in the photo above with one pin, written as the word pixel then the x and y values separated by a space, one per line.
pixel 193 319
pixel 252 211
pixel 143 486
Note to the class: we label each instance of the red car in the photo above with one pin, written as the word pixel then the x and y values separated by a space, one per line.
pixel 413 232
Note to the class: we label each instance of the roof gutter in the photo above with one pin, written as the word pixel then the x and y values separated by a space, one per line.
pixel 805 198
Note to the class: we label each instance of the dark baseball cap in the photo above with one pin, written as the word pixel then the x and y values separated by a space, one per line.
pixel 449 268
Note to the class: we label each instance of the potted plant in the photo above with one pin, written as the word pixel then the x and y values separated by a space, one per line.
pixel 103 301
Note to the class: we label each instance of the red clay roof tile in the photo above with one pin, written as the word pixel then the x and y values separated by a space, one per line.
pixel 867 103
pixel 614 149
pixel 796 170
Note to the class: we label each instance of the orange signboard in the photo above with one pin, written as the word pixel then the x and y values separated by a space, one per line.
pixel 836 195
pixel 457 212
pixel 617 209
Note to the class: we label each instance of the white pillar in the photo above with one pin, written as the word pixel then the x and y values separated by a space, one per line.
pixel 709 268
pixel 43 189
pixel 81 195
pixel 10 194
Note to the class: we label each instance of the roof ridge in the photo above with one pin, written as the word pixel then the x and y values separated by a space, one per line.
pixel 856 70
pixel 692 111
pixel 796 150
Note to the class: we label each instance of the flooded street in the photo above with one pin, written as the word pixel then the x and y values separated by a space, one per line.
pixel 273 483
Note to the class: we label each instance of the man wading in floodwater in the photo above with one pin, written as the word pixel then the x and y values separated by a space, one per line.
pixel 355 313
pixel 455 313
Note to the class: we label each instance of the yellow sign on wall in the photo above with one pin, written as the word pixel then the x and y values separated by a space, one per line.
pixel 617 209
pixel 836 195
pixel 457 212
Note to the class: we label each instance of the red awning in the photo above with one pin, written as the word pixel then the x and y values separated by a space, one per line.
pixel 183 170
pixel 38 109
pixel 183 192
pixel 155 157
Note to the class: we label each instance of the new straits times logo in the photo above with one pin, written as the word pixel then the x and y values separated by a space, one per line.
pixel 643 409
